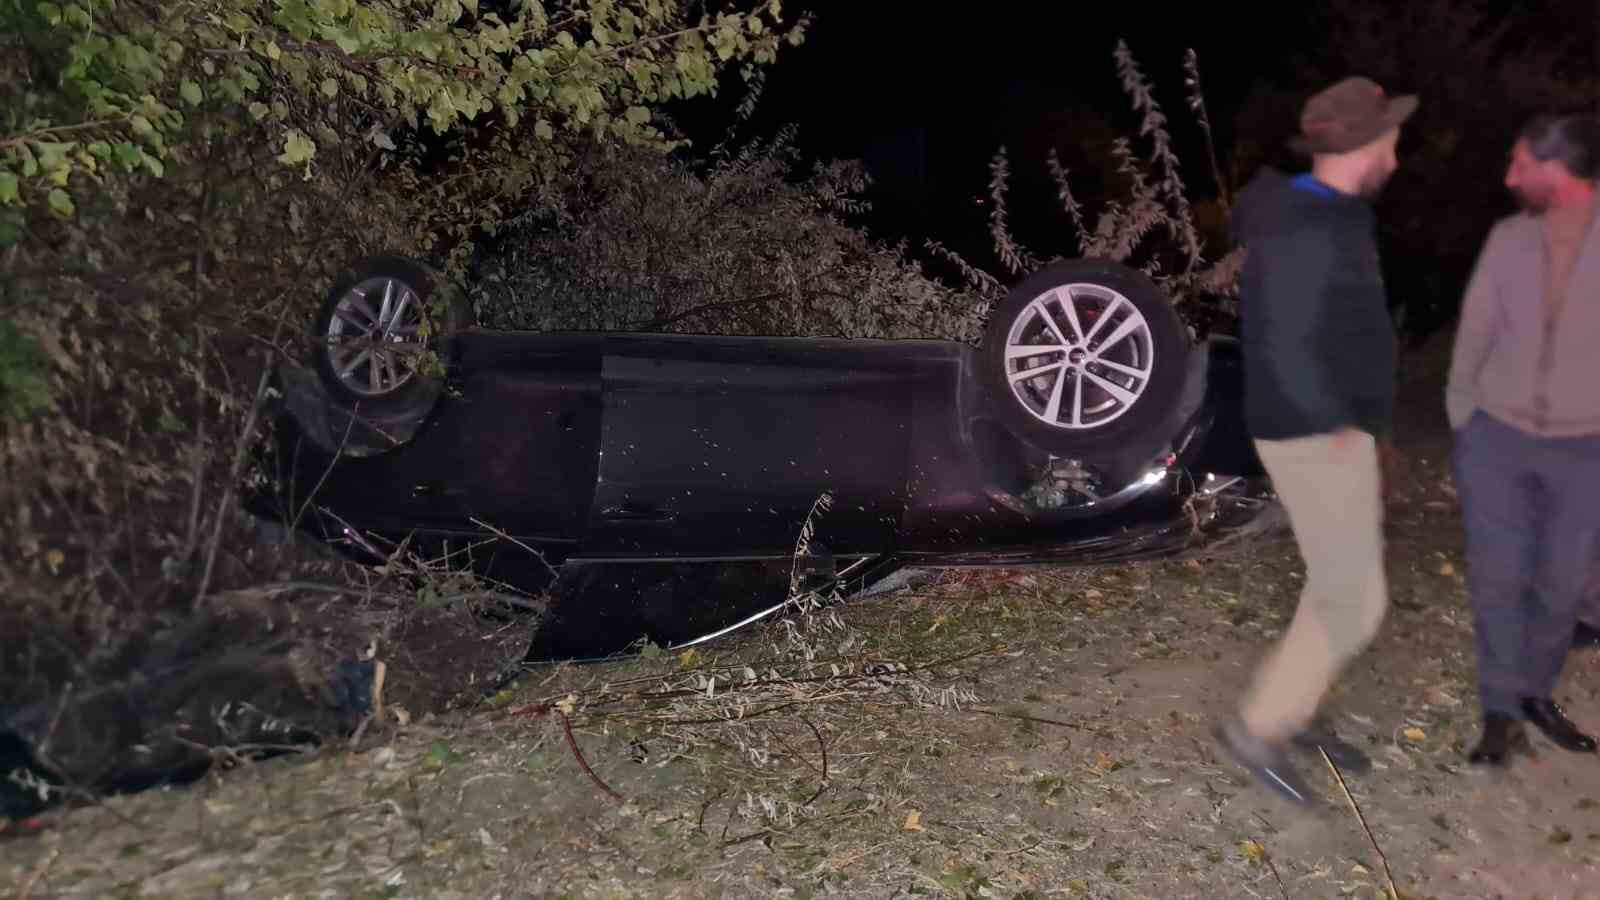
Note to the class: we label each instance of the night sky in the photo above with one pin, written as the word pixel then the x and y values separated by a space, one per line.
pixel 926 99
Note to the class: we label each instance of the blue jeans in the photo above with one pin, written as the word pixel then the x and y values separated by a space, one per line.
pixel 1531 509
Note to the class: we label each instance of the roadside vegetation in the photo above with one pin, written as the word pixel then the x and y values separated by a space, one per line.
pixel 178 185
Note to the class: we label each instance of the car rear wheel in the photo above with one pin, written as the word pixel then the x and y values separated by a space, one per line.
pixel 1087 359
pixel 384 330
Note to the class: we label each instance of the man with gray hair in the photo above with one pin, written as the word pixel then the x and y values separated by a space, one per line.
pixel 1521 402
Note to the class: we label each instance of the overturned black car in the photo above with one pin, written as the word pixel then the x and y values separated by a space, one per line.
pixel 673 487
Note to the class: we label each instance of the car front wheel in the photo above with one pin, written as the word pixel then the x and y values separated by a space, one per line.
pixel 1087 359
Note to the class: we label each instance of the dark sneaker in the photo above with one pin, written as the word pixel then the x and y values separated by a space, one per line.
pixel 1347 756
pixel 1267 763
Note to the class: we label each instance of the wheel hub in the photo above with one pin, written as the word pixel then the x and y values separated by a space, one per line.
pixel 373 336
pixel 1078 356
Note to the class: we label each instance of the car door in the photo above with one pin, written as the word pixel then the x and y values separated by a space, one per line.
pixel 514 446
pixel 720 447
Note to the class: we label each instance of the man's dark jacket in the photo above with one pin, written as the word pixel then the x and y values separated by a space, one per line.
pixel 1319 347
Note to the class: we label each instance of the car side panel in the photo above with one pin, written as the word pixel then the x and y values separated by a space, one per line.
pixel 723 456
pixel 524 451
pixel 513 443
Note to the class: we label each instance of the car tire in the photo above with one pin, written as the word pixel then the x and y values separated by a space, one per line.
pixel 377 324
pixel 1133 385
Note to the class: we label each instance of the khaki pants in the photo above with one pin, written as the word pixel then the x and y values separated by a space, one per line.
pixel 1333 497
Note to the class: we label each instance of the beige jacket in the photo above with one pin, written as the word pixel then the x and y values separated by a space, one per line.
pixel 1524 354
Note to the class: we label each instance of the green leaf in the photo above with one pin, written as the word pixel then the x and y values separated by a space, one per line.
pixel 191 92
pixel 543 131
pixel 348 41
pixel 273 52
pixel 10 230
pixel 153 164
pixel 8 189
pixel 297 148
pixel 638 115
pixel 129 155
pixel 259 110
pixel 330 88
pixel 61 203
pixel 141 125
pixel 52 154
pixel 50 12
pixel 101 150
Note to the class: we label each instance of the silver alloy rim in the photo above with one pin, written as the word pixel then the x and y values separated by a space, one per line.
pixel 373 339
pixel 1079 356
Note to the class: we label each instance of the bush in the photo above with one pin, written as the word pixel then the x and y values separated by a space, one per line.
pixel 177 184
pixel 742 244
pixel 747 243
pixel 1156 203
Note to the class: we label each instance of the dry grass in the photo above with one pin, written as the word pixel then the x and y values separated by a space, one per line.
pixel 1023 733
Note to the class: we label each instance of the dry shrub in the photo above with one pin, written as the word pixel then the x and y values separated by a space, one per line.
pixel 178 186
pixel 745 242
pixel 740 243
pixel 1154 227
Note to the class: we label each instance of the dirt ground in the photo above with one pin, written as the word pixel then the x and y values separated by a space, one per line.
pixel 1018 734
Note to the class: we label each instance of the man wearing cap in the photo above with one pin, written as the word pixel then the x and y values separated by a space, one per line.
pixel 1521 401
pixel 1320 356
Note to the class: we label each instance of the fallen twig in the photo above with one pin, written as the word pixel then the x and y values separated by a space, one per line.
pixel 1356 807
pixel 375 710
pixel 781 682
pixel 38 873
pixel 823 746
pixel 566 727
pixel 700 824
pixel 504 536
pixel 1273 868
pixel 727 842
pixel 1027 718
pixel 1021 850
pixel 543 709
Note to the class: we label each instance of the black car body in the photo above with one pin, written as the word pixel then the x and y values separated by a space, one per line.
pixel 669 487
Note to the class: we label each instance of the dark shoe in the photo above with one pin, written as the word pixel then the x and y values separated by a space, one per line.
pixel 1502 736
pixel 1347 756
pixel 1585 636
pixel 1267 763
pixel 1548 716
